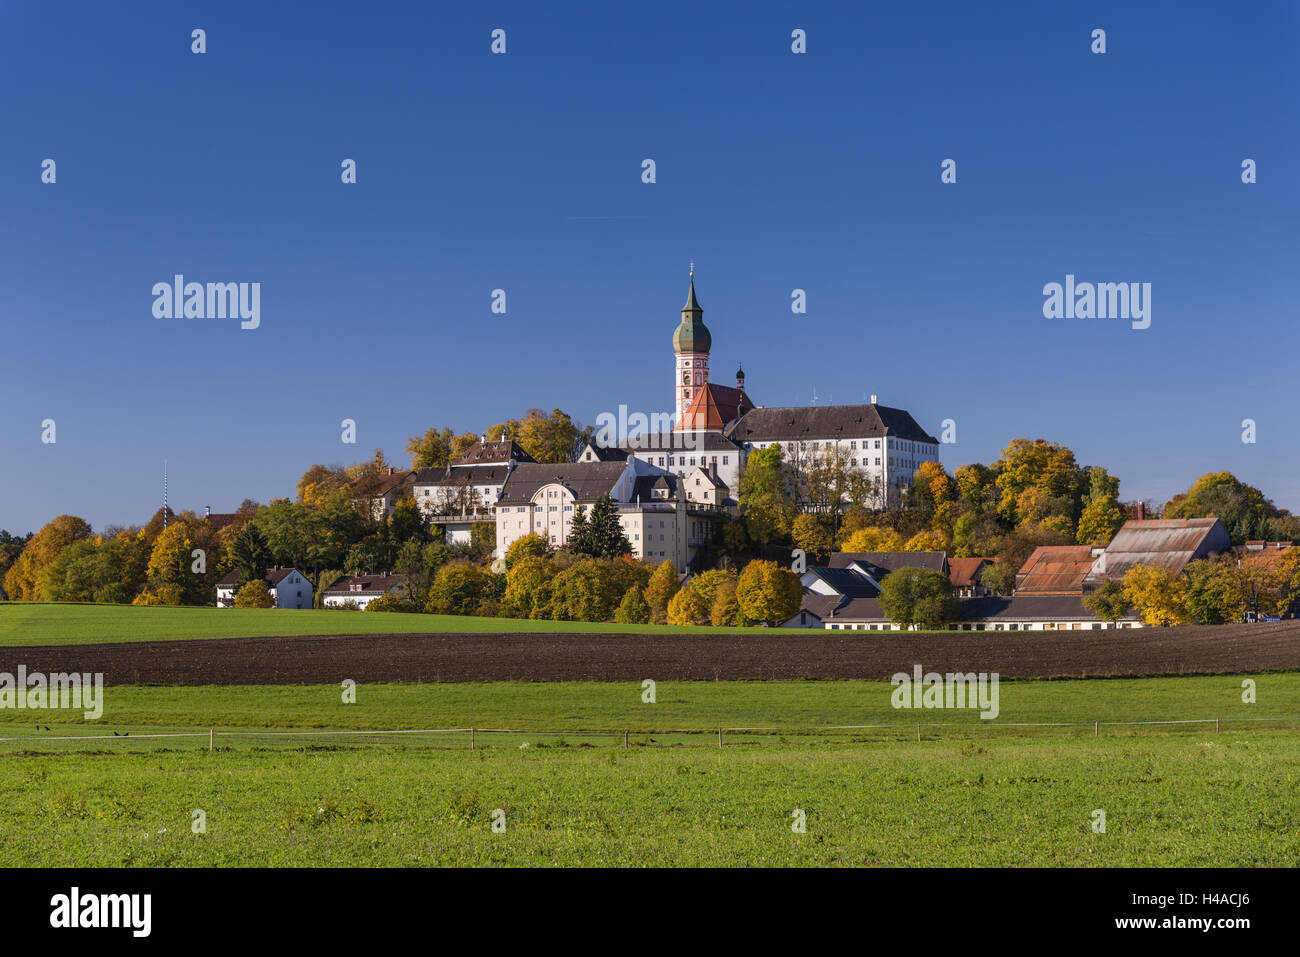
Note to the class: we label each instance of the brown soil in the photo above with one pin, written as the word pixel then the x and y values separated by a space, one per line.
pixel 753 655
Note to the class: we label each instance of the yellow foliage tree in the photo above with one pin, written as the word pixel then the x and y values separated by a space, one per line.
pixel 253 594
pixel 1159 596
pixel 927 541
pixel 23 580
pixel 873 539
pixel 766 592
pixel 687 608
pixel 660 590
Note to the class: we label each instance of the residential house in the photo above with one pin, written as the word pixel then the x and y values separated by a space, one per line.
pixel 361 590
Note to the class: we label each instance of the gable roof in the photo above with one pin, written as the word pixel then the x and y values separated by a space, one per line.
pixel 964 572
pixel 600 453
pixel 220 520
pixel 846 581
pixel 805 423
pixel 370 584
pixel 587 481
pixel 488 453
pixel 714 407
pixel 886 562
pixel 1055 570
pixel 276 575
pixel 383 484
pixel 272 577
pixel 1168 543
pixel 459 475
pixel 709 474
pixel 644 486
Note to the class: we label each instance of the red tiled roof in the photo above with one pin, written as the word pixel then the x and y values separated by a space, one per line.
pixel 713 407
pixel 965 571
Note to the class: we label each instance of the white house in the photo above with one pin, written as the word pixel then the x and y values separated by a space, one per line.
pixel 289 588
pixel 360 590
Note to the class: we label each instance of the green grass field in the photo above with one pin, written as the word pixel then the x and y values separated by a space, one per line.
pixel 971 792
pixel 279 790
pixel 702 705
pixel 1181 800
pixel 30 623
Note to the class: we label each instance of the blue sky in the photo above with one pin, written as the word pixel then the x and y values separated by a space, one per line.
pixel 775 171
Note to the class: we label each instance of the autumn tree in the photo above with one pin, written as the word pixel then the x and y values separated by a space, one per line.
pixel 706 583
pixel 458 588
pixel 1243 509
pixel 1108 602
pixel 23 580
pixel 769 593
pixel 660 590
pixel 528 591
pixel 1039 483
pixel 1158 595
pixel 873 539
pixel 813 534
pixel 725 609
pixel 687 607
pixel 1102 516
pixel 318 482
pixel 254 594
pixel 632 610
pixel 530 545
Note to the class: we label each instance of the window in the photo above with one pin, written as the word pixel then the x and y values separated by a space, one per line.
pixel 724 460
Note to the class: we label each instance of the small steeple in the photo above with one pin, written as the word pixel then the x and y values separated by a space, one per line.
pixel 692 304
pixel 740 377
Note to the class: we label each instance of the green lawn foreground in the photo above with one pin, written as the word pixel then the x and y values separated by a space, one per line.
pixel 1172 800
pixel 34 623
pixel 965 795
pixel 615 706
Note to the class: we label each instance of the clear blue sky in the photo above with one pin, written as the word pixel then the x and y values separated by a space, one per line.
pixel 522 171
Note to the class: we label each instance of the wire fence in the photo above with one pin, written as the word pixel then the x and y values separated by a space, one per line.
pixel 474 738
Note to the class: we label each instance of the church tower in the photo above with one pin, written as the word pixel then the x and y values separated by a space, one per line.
pixel 691 344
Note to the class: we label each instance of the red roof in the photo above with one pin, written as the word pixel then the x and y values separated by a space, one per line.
pixel 714 407
pixel 963 571
pixel 1055 570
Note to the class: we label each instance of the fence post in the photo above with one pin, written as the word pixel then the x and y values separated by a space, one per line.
pixel 1096 729
pixel 212 737
pixel 471 739
pixel 719 737
pixel 918 732
pixel 625 740
pixel 1216 725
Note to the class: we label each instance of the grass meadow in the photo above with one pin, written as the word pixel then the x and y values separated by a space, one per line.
pixel 35 623
pixel 1172 800
pixel 969 793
